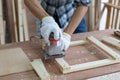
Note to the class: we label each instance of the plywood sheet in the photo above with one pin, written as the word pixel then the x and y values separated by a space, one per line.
pixel 13 61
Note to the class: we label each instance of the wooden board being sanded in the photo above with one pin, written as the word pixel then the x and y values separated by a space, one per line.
pixel 13 61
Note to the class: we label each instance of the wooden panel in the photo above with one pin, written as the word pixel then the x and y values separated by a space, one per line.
pixel 13 61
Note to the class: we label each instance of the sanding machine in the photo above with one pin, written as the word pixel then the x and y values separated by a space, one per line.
pixel 52 51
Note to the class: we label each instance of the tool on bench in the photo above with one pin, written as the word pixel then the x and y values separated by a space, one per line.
pixel 52 51
pixel 117 32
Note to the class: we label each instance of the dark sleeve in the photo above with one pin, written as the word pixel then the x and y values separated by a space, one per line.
pixel 82 2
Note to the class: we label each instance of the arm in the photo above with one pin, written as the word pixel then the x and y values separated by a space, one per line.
pixel 76 19
pixel 36 8
pixel 48 24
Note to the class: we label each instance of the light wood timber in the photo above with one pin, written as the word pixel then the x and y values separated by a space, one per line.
pixel 40 69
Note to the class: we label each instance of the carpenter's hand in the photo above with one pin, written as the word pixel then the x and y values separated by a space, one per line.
pixel 64 42
pixel 49 25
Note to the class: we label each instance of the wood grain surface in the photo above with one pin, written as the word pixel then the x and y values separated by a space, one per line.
pixel 13 60
pixel 82 54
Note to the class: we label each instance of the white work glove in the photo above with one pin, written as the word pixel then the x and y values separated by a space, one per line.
pixel 49 25
pixel 64 42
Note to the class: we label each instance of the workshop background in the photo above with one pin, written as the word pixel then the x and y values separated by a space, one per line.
pixel 18 24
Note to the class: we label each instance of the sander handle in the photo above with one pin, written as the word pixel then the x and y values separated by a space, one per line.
pixel 52 40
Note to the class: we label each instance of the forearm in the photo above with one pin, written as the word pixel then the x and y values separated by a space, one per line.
pixel 36 8
pixel 76 19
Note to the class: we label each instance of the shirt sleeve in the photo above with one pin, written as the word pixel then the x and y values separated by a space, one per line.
pixel 82 2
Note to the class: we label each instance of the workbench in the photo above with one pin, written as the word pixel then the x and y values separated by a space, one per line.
pixel 33 51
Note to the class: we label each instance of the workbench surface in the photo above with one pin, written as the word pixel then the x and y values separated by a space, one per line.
pixel 33 51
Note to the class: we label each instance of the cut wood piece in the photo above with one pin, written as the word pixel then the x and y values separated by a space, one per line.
pixel 113 41
pixel 92 13
pixel 109 14
pixel 4 34
pixel 13 61
pixel 115 15
pixel 40 69
pixel 25 25
pixel 15 21
pixel 2 40
pixel 77 43
pixel 66 68
pixel 109 51
pixel 64 65
pixel 118 18
pixel 89 65
pixel 10 20
pixel 20 21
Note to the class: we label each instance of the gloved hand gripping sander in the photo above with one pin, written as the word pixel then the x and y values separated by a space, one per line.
pixel 54 50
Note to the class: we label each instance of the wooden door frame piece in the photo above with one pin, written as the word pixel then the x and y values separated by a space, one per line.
pixel 66 68
pixel 112 41
pixel 40 69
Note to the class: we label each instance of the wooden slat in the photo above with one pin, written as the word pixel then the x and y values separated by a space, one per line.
pixel 15 21
pixel 92 13
pixel 2 41
pixel 115 15
pixel 62 64
pixel 112 41
pixel 109 51
pixel 9 20
pixel 118 18
pixel 40 69
pixel 26 33
pixel 89 65
pixel 97 13
pixel 109 15
pixel 20 21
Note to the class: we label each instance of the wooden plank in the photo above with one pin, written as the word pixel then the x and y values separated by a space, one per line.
pixel 2 41
pixel 97 13
pixel 118 18
pixel 77 43
pixel 62 64
pixel 112 76
pixel 20 21
pixel 26 33
pixel 15 22
pixel 9 19
pixel 4 34
pixel 89 65
pixel 105 48
pixel 40 69
pixel 112 5
pixel 115 15
pixel 13 60
pixel 109 15
pixel 100 16
pixel 92 13
pixel 112 41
